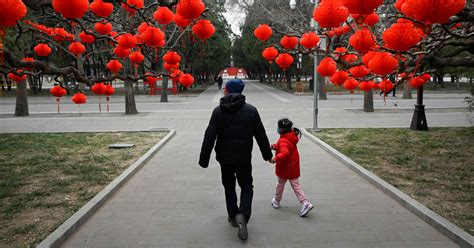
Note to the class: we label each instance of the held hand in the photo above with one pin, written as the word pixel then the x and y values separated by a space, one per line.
pixel 272 147
pixel 272 161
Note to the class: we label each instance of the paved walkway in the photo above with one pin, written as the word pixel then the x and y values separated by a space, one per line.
pixel 172 202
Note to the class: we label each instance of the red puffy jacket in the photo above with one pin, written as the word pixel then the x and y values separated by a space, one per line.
pixel 287 157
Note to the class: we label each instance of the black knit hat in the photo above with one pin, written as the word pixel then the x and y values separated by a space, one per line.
pixel 285 125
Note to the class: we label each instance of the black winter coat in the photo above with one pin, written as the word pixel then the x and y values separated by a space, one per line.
pixel 234 123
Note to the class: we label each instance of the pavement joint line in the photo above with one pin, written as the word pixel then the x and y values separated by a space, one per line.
pixel 65 230
pixel 452 231
pixel 271 94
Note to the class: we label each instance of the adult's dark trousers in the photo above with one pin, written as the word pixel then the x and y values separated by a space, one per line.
pixel 243 174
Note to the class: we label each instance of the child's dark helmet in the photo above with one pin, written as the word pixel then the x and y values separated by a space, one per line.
pixel 285 125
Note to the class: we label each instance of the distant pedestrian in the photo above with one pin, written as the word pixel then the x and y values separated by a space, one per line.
pixel 234 124
pixel 220 81
pixel 287 167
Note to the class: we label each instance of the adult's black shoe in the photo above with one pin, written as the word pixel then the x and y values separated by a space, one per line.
pixel 242 225
pixel 232 222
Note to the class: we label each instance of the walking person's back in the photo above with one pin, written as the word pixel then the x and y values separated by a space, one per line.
pixel 232 127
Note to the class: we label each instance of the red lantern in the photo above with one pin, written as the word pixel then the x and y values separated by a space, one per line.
pixel 172 57
pixel 171 67
pixel 152 36
pixel 359 71
pixel 136 58
pixel 114 66
pixel 289 42
pixel 362 7
pixel 132 5
pixel 366 86
pixel 327 67
pixel 77 48
pixel 350 58
pixel 120 52
pixel 263 32
pixel 42 50
pixel 339 77
pixel 330 14
pixel 175 75
pixel 58 91
pixel 186 80
pixel 163 15
pixel 309 40
pixel 86 38
pixel 363 40
pixel 151 81
pixel 270 53
pixel 142 27
pixel 350 84
pixel 432 11
pixel 190 9
pixel 417 82
pixel 426 77
pixel 340 50
pixel 71 9
pixel 371 19
pixel 127 41
pixel 401 36
pixel 16 76
pixel 11 12
pixel 383 63
pixel 59 34
pixel 99 88
pixel 385 86
pixel 181 21
pixel 101 9
pixel 204 29
pixel 367 57
pixel 79 98
pixel 103 28
pixel 284 60
pixel 110 90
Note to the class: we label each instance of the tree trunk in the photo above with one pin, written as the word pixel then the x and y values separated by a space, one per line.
pixel 407 91
pixel 130 106
pixel 369 101
pixel 457 83
pixel 288 80
pixel 164 90
pixel 21 108
pixel 321 88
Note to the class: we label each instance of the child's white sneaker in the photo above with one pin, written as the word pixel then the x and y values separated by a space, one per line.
pixel 275 203
pixel 307 206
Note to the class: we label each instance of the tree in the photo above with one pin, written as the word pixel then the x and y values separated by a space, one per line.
pixel 81 50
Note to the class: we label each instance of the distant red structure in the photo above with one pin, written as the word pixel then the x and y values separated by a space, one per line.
pixel 233 72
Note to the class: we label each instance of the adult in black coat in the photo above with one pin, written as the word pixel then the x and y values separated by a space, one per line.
pixel 234 124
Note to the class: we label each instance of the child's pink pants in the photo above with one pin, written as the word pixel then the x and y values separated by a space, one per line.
pixel 295 184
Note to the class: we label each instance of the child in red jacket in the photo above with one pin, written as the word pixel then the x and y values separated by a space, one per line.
pixel 287 167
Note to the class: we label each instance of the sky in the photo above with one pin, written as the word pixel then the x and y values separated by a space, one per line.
pixel 235 17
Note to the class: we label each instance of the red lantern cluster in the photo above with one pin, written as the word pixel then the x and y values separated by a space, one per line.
pixel 339 77
pixel 77 48
pixel 385 86
pixel 289 42
pixel 58 91
pixel 330 14
pixel 42 50
pixel 121 52
pixel 99 88
pixel 419 81
pixel 181 21
pixel 60 34
pixel 72 9
pixel 362 7
pixel 204 29
pixel 163 15
pixel 359 71
pixel 363 40
pixel 101 9
pixel 270 53
pixel 431 11
pixel 350 84
pixel 263 32
pixel 309 40
pixel 401 36
pixel 127 41
pixel 367 57
pixel 190 9
pixel 103 28
pixel 114 66
pixel 366 86
pixel 186 80
pixel 11 12
pixel 136 58
pixel 110 90
pixel 327 67
pixel 172 57
pixel 383 63
pixel 86 38
pixel 284 60
pixel 79 98
pixel 16 76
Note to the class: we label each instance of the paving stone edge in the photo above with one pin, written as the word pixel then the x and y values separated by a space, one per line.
pixel 462 238
pixel 63 232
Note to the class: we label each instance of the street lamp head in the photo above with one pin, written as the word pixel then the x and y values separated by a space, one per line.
pixel 292 4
